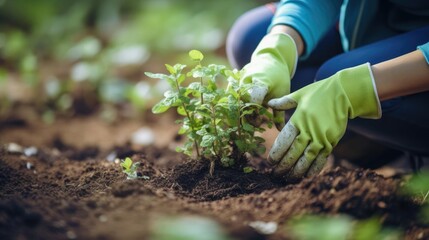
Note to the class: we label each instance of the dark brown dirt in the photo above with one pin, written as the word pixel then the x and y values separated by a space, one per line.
pixel 192 179
pixel 70 191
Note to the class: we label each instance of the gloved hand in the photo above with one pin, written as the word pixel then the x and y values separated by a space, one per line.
pixel 270 70
pixel 320 120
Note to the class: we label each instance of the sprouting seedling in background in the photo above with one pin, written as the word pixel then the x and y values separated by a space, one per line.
pixel 130 169
pixel 214 118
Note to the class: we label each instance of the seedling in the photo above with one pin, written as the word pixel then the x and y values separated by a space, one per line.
pixel 130 169
pixel 214 118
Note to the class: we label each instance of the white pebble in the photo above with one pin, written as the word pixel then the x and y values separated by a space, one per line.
pixel 264 227
pixel 14 148
pixel 143 136
pixel 30 151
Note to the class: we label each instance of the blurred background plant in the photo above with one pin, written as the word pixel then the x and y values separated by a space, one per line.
pixel 417 187
pixel 78 57
pixel 340 227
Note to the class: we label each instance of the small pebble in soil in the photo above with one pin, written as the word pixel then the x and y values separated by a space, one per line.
pixel 264 227
pixel 29 165
pixel 59 224
pixel 111 157
pixel 71 234
pixel 102 218
pixel 143 136
pixel 30 151
pixel 14 148
pixel 381 204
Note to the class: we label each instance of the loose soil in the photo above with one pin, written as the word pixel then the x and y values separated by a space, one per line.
pixel 68 190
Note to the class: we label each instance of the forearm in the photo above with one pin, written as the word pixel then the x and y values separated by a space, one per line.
pixel 404 75
pixel 293 33
pixel 312 19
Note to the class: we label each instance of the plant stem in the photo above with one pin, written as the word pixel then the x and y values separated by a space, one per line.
pixel 425 197
pixel 197 148
pixel 239 117
pixel 214 119
pixel 202 98
pixel 215 129
pixel 212 166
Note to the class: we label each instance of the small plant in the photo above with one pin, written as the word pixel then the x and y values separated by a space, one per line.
pixel 130 169
pixel 213 117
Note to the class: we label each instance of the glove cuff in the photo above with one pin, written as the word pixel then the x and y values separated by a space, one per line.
pixel 281 46
pixel 359 86
pixel 294 61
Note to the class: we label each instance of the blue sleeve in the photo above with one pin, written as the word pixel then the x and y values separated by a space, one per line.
pixel 312 19
pixel 425 50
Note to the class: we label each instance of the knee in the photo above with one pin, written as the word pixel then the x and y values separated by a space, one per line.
pixel 330 67
pixel 245 35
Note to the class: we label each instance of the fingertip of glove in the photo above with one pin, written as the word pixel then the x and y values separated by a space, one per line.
pixel 273 102
pixel 272 161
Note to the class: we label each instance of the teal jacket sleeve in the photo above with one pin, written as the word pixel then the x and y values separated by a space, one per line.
pixel 425 50
pixel 311 18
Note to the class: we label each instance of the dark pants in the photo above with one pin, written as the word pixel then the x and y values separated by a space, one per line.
pixel 405 122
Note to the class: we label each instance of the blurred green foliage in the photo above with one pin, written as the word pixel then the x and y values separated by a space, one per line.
pixel 341 227
pixel 187 228
pixel 98 49
pixel 417 187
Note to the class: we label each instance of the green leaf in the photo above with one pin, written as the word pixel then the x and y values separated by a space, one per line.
pixel 196 55
pixel 418 184
pixel 198 73
pixel 259 139
pixel 181 79
pixel 160 107
pixel 170 69
pixel 195 86
pixel 202 132
pixel 227 161
pixel 179 68
pixel 209 97
pixel 181 111
pixel 248 127
pixel 126 164
pixel 156 75
pixel 241 144
pixel 169 79
pixel 184 129
pixel 234 74
pixel 179 149
pixel 260 149
pixel 207 140
pixel 248 169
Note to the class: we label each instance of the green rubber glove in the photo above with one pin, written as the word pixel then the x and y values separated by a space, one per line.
pixel 270 70
pixel 320 120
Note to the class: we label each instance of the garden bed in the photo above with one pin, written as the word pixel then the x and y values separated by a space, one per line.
pixel 69 190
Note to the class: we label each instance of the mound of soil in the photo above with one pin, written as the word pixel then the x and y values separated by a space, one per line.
pixel 192 179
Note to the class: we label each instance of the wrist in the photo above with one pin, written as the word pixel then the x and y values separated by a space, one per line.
pixel 390 75
pixel 359 86
pixel 296 37
pixel 282 48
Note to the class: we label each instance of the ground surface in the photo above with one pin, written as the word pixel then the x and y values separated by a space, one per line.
pixel 69 190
